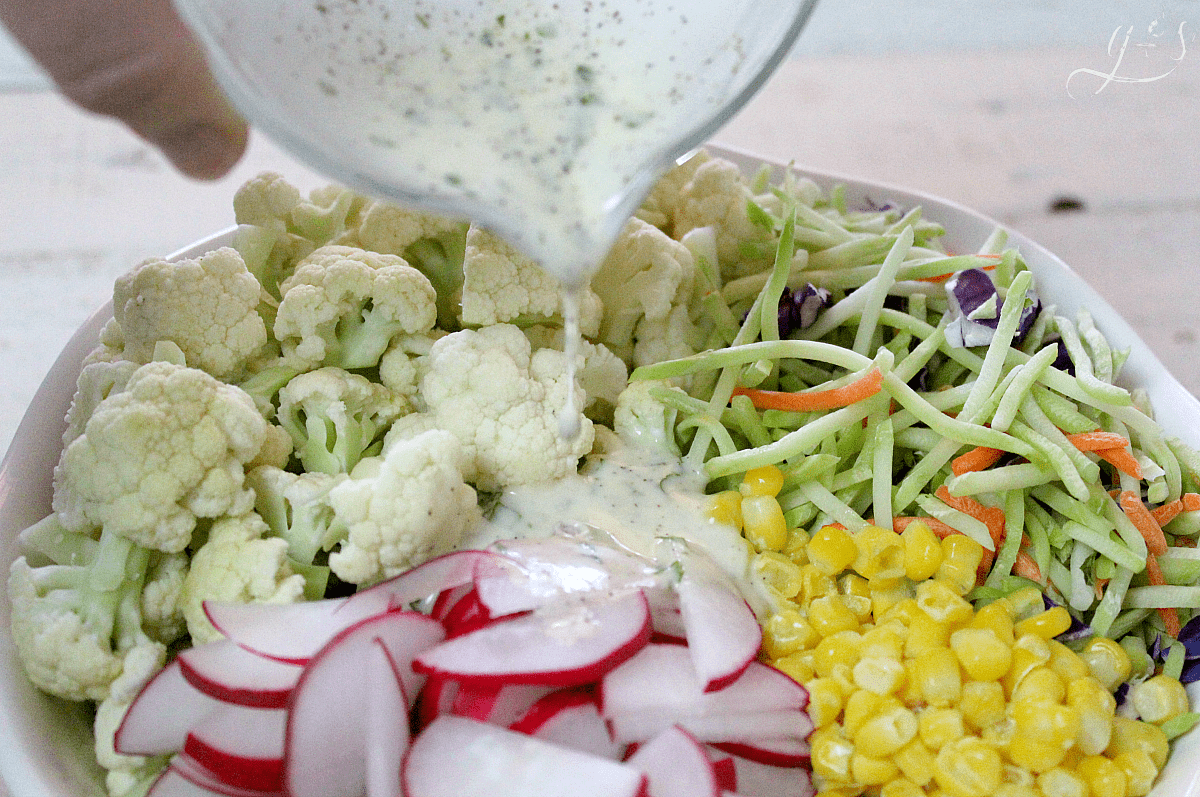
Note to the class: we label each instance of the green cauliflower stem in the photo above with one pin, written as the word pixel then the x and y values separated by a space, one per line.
pixel 295 507
pixel 239 563
pixel 207 306
pixel 400 509
pixel 343 306
pixel 168 449
pixel 335 418
pixel 501 285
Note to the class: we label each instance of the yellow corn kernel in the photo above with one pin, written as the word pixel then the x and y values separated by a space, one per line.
pixel 1028 652
pixel 831 549
pixel 796 547
pixel 879 675
pixel 1103 777
pixel 1087 691
pixel 915 761
pixel 900 787
pixel 1096 707
pixel 861 705
pixel 1041 683
pixel 853 584
pixel 1034 754
pixel 982 704
pixel 767 480
pixel 1050 724
pixel 1131 734
pixel 922 551
pixel 911 695
pixel 1011 773
pixel 779 573
pixel 814 584
pixel 1159 699
pixel 880 556
pixel 725 507
pixel 763 524
pixel 1025 602
pixel 1140 772
pixel 943 604
pixel 797 666
pixel 1062 782
pixel 825 701
pixel 1066 662
pixel 787 632
pixel 1000 734
pixel 925 634
pixel 884 599
pixel 1108 662
pixel 938 677
pixel 860 606
pixel 830 754
pixel 1047 624
pixel 961 556
pixel 968 767
pixel 890 729
pixel 836 649
pixel 983 656
pixel 998 617
pixel 831 614
pixel 883 642
pixel 871 771
pixel 1017 790
pixel 940 726
pixel 903 611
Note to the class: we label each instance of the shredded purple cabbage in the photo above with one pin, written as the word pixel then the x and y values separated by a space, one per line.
pixel 975 304
pixel 1063 361
pixel 1078 629
pixel 799 309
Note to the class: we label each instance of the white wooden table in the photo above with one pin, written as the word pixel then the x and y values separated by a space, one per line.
pixel 81 200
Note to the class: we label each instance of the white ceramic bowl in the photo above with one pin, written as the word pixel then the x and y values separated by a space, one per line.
pixel 46 745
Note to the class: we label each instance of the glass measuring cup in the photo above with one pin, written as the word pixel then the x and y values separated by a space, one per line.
pixel 546 121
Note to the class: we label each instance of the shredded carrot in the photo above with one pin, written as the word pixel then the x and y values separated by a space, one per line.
pixel 1191 502
pixel 1169 616
pixel 1025 567
pixel 990 516
pixel 1122 460
pixel 862 388
pixel 939 278
pixel 979 458
pixel 1166 513
pixel 1093 441
pixel 1101 583
pixel 1139 515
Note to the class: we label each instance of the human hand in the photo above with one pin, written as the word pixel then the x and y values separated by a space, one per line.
pixel 136 61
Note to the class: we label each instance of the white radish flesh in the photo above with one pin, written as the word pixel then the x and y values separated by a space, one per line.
pixel 241 747
pixel 162 713
pixel 723 635
pixel 741 727
pixel 676 765
pixel 184 778
pixel 571 718
pixel 230 673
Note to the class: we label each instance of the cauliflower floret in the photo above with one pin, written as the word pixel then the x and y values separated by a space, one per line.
pixel 238 564
pixel 503 403
pixel 660 206
pixel 717 196
pixel 265 201
pixel 641 419
pixel 295 507
pixel 97 381
pixel 343 306
pixel 169 448
pixel 500 285
pixel 162 609
pixel 646 284
pixel 207 306
pixel 400 366
pixel 602 374
pixel 336 417
pixel 126 773
pixel 398 510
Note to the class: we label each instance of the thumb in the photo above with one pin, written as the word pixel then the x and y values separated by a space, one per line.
pixel 136 61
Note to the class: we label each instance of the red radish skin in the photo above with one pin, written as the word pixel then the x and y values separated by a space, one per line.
pixel 435 699
pixel 534 649
pixel 781 752
pixel 738 727
pixel 466 615
pixel 240 747
pixel 725 770
pixel 458 757
pixel 162 713
pixel 446 599
pixel 722 632
pixel 184 778
pixel 499 705
pixel 232 674
pixel 571 718
pixel 387 722
pixel 676 765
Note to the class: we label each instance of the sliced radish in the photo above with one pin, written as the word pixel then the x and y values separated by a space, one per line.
pixel 762 780
pixel 436 698
pixel 663 678
pixel 722 632
pixel 676 765
pixel 294 632
pixel 387 723
pixel 331 731
pixel 559 646
pixel 571 718
pixel 499 704
pixel 230 673
pixel 185 778
pixel 446 599
pixel 240 747
pixel 738 727
pixel 458 757
pixel 466 615
pixel 779 752
pixel 725 769
pixel 162 713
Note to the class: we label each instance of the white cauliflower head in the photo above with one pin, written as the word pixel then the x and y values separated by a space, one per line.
pixel 343 306
pixel 504 404
pixel 718 196
pixel 402 508
pixel 169 448
pixel 207 306
pixel 126 772
pixel 238 564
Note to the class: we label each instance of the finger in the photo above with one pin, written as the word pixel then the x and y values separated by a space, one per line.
pixel 136 61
